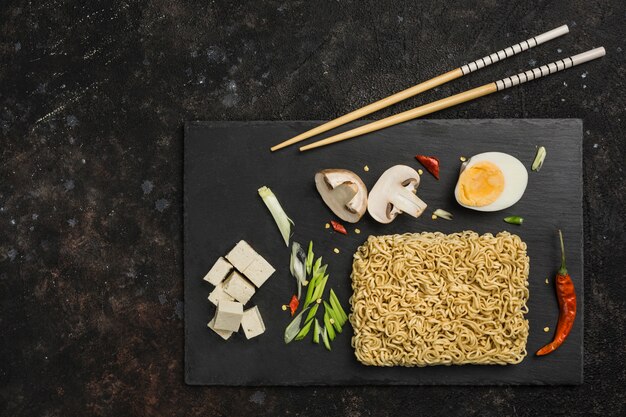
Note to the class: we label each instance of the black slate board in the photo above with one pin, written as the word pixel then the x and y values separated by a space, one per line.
pixel 225 163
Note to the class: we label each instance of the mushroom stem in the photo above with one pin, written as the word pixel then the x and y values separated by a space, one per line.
pixel 407 202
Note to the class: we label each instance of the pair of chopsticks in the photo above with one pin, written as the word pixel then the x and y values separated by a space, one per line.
pixel 463 97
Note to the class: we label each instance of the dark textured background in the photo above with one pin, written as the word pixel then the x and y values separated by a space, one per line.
pixel 93 96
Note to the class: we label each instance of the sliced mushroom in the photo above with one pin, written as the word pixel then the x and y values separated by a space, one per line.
pixel 394 193
pixel 343 192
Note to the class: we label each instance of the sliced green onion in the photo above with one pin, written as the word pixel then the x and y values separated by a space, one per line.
pixel 309 293
pixel 335 319
pixel 292 330
pixel 317 278
pixel 325 339
pixel 319 289
pixel 304 331
pixel 316 265
pixel 443 214
pixel 283 222
pixel 309 258
pixel 334 302
pixel 514 219
pixel 313 284
pixel 329 326
pixel 539 158
pixel 317 330
pixel 312 313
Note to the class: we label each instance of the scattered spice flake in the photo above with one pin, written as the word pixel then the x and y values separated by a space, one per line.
pixel 463 159
pixel 336 250
pixel 430 163
pixel 338 227
pixel 327 226
pixel 366 168
pixel 546 329
pixel 293 304
pixel 357 231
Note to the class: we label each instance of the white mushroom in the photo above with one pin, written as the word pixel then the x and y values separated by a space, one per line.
pixel 343 192
pixel 394 193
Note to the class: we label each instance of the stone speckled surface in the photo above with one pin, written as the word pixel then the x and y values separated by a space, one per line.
pixel 93 96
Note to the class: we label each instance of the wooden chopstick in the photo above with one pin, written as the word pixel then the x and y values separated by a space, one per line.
pixel 484 90
pixel 427 85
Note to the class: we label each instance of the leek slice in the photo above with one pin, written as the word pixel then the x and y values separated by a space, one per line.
pixel 443 214
pixel 317 331
pixel 539 158
pixel 325 339
pixel 304 331
pixel 329 326
pixel 293 328
pixel 283 222
pixel 309 258
pixel 334 302
pixel 297 265
pixel 335 319
pixel 312 313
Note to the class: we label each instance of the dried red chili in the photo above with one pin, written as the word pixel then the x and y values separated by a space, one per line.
pixel 566 296
pixel 293 304
pixel 430 163
pixel 338 227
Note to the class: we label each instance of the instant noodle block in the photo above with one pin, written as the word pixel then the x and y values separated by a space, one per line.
pixel 435 299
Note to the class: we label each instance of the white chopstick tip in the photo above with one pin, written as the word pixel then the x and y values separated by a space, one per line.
pixel 589 55
pixel 552 34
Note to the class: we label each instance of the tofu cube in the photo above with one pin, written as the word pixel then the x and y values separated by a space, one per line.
pixel 224 334
pixel 218 294
pixel 218 272
pixel 238 287
pixel 259 271
pixel 252 323
pixel 241 255
pixel 228 316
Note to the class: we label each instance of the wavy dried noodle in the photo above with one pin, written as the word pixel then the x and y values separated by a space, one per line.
pixel 431 299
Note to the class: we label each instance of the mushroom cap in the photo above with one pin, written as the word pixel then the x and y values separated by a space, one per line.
pixel 343 192
pixel 390 182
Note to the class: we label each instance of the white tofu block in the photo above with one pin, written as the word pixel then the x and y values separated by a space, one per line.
pixel 228 315
pixel 241 255
pixel 252 322
pixel 224 334
pixel 218 294
pixel 259 271
pixel 238 287
pixel 218 272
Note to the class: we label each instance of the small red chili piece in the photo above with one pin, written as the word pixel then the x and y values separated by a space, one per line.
pixel 293 304
pixel 430 163
pixel 338 227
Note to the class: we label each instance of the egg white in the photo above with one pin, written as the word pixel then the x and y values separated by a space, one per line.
pixel 515 179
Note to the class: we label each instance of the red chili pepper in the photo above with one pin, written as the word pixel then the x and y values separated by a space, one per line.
pixel 566 296
pixel 338 227
pixel 430 163
pixel 293 304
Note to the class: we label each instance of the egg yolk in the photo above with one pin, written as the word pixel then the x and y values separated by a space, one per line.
pixel 481 184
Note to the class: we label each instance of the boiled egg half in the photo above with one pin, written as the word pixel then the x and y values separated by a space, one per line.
pixel 491 181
